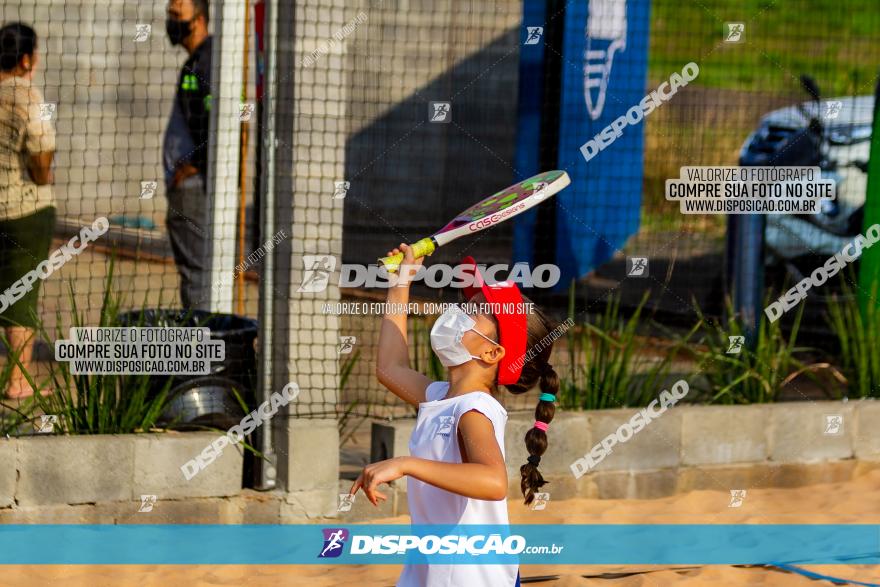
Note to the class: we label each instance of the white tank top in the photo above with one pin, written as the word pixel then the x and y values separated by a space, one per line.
pixel 435 437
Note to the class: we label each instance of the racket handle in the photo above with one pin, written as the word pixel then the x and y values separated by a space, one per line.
pixel 421 248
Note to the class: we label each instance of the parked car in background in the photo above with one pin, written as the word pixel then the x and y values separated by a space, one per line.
pixel 833 134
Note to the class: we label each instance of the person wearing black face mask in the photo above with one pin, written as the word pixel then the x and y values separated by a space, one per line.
pixel 177 30
pixel 185 151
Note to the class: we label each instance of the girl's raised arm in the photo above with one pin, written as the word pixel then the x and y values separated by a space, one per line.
pixel 392 361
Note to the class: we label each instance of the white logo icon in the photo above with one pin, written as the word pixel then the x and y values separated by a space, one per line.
pixel 534 35
pixel 317 272
pixel 538 193
pixel 606 35
pixel 540 501
pixel 334 542
pixel 735 32
pixel 246 111
pixel 440 112
pixel 346 500
pixel 737 496
pixel 47 423
pixel 735 344
pixel 637 266
pixel 142 32
pixel 833 425
pixel 340 189
pixel 148 189
pixel 346 344
pixel 47 111
pixel 445 427
pixel 832 109
pixel 147 502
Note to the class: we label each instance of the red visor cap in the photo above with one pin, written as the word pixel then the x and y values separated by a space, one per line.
pixel 510 312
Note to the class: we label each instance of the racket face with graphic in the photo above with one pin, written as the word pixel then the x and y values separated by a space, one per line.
pixel 504 205
pixel 495 209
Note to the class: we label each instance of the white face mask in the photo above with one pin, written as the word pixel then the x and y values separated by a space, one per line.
pixel 446 337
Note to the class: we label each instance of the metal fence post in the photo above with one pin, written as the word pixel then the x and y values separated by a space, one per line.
pixel 745 258
pixel 227 17
pixel 272 322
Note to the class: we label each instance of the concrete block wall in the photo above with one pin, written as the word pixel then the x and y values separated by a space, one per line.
pixel 691 447
pixel 717 434
pixel 866 444
pixel 41 471
pixel 313 465
pixel 8 473
pixel 798 433
pixel 87 478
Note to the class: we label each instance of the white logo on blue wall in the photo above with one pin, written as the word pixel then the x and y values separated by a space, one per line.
pixel 605 36
pixel 533 35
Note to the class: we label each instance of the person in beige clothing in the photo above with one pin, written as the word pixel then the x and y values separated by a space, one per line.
pixel 27 207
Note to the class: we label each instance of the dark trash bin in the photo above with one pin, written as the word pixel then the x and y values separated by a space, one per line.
pixel 194 399
pixel 204 402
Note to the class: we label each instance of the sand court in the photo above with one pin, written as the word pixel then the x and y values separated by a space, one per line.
pixel 851 502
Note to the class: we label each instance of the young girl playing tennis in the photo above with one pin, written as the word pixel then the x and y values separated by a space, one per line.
pixel 456 471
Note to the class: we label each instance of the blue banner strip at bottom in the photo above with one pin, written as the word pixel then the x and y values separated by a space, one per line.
pixel 663 544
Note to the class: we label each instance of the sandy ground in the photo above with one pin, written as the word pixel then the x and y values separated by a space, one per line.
pixel 854 502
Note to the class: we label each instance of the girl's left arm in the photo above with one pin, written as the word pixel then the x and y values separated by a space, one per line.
pixel 482 476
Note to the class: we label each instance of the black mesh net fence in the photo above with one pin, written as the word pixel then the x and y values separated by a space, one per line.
pixel 575 70
pixel 397 115
pixel 129 188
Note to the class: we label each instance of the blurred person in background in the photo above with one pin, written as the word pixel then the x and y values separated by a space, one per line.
pixel 27 206
pixel 185 151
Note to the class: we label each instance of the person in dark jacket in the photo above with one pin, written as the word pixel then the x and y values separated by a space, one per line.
pixel 185 151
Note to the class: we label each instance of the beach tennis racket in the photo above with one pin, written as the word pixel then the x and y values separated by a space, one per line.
pixel 490 212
